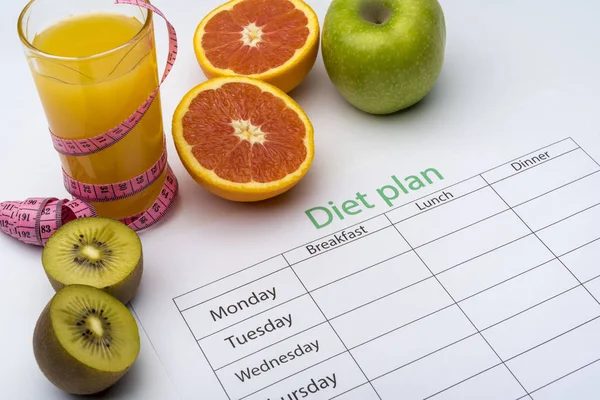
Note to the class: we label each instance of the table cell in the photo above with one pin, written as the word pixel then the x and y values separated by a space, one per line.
pixel 438 371
pixel 532 159
pixel 543 178
pixel 370 284
pixel 573 232
pixel 412 342
pixel 495 267
pixel 451 217
pixel 594 287
pixel 583 262
pixel 337 240
pixel 391 312
pixel 280 361
pixel 558 357
pixel 494 384
pixel 230 308
pixel 542 323
pixel 561 203
pixel 434 200
pixel 323 381
pixel 581 385
pixel 363 392
pixel 319 271
pixel 232 282
pixel 517 295
pixel 472 242
pixel 261 331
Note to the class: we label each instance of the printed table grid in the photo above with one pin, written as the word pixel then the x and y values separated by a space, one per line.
pixel 331 320
pixel 467 317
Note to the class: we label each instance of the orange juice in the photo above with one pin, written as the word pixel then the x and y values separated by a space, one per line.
pixel 96 70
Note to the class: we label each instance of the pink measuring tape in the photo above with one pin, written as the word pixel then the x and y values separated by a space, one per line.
pixel 34 220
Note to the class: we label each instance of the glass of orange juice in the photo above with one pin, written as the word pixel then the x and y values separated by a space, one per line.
pixel 94 63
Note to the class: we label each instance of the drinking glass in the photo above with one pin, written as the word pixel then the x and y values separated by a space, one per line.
pixel 94 63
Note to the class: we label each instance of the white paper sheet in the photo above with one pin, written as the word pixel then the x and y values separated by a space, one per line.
pixel 492 294
pixel 484 286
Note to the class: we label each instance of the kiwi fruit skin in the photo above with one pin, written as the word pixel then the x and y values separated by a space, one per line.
pixel 124 291
pixel 62 369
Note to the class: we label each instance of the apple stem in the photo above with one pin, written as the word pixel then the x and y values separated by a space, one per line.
pixel 375 13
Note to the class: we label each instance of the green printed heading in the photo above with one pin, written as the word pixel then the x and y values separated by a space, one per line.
pixel 322 216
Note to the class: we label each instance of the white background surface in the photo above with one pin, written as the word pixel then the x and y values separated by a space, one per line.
pixel 518 75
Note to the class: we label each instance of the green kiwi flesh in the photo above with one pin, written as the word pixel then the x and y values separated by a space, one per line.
pixel 85 340
pixel 95 251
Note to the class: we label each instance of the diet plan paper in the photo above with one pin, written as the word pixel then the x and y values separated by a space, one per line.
pixel 402 281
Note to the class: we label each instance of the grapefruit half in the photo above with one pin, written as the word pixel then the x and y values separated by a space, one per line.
pixel 275 41
pixel 242 139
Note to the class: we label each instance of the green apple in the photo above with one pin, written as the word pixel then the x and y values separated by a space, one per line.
pixel 383 55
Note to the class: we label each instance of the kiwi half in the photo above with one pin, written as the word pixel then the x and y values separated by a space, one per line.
pixel 85 340
pixel 95 251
